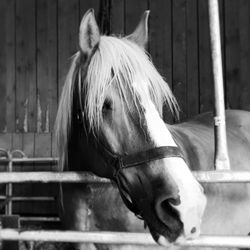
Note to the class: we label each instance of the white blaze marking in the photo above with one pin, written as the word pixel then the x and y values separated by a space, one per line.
pixel 157 128
pixel 192 199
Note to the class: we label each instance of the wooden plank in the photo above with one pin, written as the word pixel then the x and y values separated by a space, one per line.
pixel 27 188
pixel 117 17
pixel 17 144
pixel 29 144
pixel 17 141
pixel 103 17
pixel 161 43
pixel 7 66
pixel 43 149
pixel 232 55
pixel 2 66
pixel 68 23
pixel 5 143
pixel 85 5
pixel 244 24
pixel 53 146
pixel 192 59
pixel 133 14
pixel 205 66
pixel 46 64
pixel 179 55
pixel 25 66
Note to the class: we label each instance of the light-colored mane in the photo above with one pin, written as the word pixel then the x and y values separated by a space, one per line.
pixel 116 61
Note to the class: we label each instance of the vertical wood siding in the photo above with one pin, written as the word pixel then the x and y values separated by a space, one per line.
pixel 38 38
pixel 26 62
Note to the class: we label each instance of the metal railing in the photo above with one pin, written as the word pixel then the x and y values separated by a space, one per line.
pixel 17 157
pixel 119 238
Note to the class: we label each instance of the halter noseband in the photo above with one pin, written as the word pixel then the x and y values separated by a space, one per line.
pixel 122 162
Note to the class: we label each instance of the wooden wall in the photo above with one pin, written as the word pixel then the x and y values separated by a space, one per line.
pixel 38 38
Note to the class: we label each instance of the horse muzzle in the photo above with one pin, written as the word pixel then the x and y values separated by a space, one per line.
pixel 152 200
pixel 170 206
pixel 158 187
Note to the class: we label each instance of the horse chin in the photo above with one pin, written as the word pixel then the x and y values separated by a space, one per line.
pixel 166 241
pixel 166 238
pixel 161 240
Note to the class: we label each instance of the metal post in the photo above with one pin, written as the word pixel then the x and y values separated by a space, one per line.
pixel 221 151
pixel 8 208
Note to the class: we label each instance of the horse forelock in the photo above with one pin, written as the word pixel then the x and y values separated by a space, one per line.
pixel 115 61
pixel 123 63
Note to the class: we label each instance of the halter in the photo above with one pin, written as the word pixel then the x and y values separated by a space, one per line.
pixel 120 162
pixel 123 162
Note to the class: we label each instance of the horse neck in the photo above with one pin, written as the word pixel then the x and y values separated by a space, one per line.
pixel 196 143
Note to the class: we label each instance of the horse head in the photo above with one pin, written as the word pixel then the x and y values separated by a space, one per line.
pixel 110 122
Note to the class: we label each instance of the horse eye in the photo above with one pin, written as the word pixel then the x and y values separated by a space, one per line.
pixel 107 105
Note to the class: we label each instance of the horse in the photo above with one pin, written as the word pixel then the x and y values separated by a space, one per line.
pixel 110 123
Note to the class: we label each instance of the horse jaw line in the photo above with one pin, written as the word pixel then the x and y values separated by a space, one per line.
pixel 193 201
pixel 162 241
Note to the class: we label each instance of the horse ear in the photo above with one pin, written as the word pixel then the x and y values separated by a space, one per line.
pixel 89 34
pixel 140 34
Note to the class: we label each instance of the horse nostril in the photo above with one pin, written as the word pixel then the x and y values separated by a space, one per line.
pixel 165 206
pixel 168 214
pixel 193 230
pixel 174 201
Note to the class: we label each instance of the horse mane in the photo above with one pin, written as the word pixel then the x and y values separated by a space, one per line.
pixel 115 61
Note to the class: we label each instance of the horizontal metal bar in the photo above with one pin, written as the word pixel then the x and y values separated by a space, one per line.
pixel 49 160
pixel 222 176
pixel 22 198
pixel 45 177
pixel 119 238
pixel 219 176
pixel 40 218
